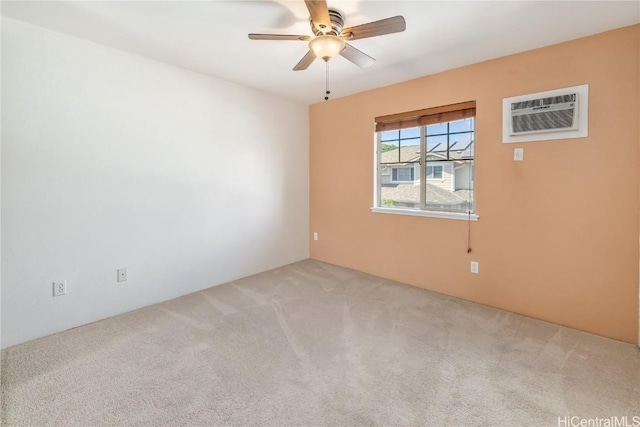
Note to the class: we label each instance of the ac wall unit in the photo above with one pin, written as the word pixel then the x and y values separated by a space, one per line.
pixel 555 114
pixel 540 115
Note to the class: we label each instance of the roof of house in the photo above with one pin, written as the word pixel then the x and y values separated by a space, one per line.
pixel 406 154
pixel 459 150
pixel 410 193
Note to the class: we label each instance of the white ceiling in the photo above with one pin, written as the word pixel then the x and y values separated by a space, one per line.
pixel 211 36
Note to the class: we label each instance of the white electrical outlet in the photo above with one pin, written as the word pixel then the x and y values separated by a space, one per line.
pixel 59 288
pixel 122 275
pixel 518 154
pixel 475 267
pixel 315 235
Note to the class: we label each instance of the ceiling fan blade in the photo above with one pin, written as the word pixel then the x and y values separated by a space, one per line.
pixel 278 37
pixel 305 61
pixel 377 28
pixel 356 56
pixel 319 14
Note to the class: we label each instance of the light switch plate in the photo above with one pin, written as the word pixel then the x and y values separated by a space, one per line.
pixel 518 154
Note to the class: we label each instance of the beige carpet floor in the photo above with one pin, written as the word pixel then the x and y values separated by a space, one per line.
pixel 315 344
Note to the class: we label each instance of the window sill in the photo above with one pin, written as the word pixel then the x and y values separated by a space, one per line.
pixel 460 216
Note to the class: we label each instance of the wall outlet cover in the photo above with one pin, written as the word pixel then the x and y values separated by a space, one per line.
pixel 475 267
pixel 59 288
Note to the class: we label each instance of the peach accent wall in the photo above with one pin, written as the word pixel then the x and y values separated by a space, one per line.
pixel 557 237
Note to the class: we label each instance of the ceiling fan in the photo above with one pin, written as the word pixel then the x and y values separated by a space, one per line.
pixel 331 37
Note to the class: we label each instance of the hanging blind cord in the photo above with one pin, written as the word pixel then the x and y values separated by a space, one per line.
pixel 469 212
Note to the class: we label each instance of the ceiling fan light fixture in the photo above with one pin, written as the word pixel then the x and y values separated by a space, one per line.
pixel 326 46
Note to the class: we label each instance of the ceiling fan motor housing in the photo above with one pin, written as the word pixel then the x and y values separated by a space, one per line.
pixel 337 24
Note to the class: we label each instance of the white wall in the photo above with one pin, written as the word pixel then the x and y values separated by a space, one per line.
pixel 113 160
pixel 1 211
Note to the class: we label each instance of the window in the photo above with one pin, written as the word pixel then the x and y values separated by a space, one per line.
pixel 402 174
pixel 431 154
pixel 434 172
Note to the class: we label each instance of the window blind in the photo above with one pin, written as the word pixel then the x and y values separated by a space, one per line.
pixel 427 116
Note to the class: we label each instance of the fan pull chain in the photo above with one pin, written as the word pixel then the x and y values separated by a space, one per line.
pixel 326 85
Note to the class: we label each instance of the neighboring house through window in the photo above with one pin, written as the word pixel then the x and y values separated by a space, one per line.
pixel 431 155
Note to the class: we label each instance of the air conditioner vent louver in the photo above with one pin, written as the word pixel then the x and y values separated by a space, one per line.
pixel 543 101
pixel 550 114
pixel 543 121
